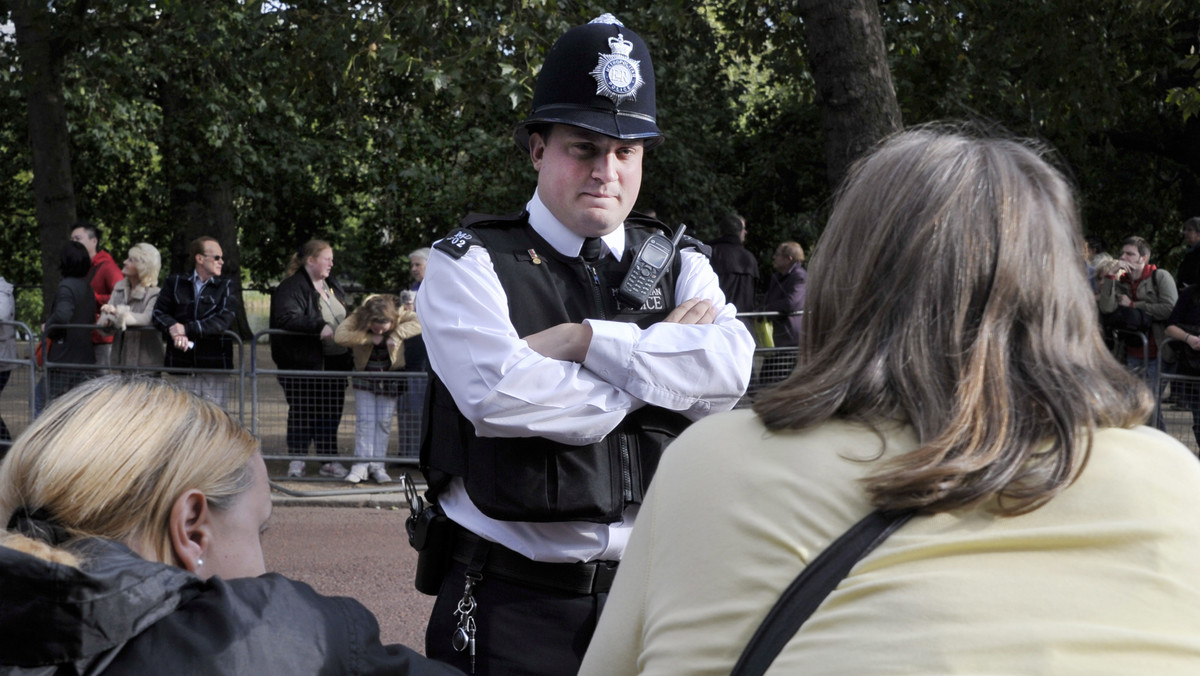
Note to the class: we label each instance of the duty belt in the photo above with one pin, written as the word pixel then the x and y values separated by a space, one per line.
pixel 593 577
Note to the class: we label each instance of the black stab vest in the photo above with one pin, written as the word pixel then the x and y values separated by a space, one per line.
pixel 533 478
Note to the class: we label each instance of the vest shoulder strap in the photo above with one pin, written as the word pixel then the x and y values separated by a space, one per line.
pixel 459 241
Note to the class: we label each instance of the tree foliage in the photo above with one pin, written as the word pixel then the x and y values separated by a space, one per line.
pixel 377 124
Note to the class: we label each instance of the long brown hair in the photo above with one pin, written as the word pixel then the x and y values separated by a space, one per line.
pixel 946 292
pixel 376 309
pixel 309 249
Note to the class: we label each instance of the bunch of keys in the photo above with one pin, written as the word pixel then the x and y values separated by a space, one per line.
pixel 464 635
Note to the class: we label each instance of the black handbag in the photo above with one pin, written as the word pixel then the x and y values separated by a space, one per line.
pixel 808 591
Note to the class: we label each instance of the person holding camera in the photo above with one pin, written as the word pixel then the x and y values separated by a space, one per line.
pixel 1137 297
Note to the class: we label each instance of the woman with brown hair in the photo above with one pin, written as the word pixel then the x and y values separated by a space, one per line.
pixel 310 302
pixel 963 378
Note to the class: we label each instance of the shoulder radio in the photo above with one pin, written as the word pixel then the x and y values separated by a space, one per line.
pixel 648 266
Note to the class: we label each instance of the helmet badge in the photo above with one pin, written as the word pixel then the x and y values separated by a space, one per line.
pixel 617 76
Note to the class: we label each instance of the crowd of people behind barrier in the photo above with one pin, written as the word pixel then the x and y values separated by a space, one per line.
pixel 184 327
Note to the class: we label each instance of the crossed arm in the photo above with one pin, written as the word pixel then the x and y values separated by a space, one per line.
pixel 575 382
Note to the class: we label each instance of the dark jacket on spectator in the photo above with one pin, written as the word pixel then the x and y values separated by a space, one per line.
pixel 737 271
pixel 296 306
pixel 785 295
pixel 74 303
pixel 206 318
pixel 1189 268
pixel 120 614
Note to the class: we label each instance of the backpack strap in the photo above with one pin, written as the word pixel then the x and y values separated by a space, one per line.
pixel 808 591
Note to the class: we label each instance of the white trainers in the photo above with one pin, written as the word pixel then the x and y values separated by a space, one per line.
pixel 379 476
pixel 358 472
pixel 334 469
pixel 295 469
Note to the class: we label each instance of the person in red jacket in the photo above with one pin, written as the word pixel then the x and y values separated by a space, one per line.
pixel 104 275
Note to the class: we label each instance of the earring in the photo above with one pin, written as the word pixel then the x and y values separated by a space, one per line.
pixel 199 562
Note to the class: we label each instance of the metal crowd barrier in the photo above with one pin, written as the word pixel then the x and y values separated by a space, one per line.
pixel 16 394
pixel 261 405
pixel 771 364
pixel 1181 413
pixel 323 393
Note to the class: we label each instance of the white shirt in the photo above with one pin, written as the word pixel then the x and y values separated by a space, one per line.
pixel 508 390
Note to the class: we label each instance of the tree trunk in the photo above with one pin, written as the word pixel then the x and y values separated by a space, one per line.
pixel 201 204
pixel 848 60
pixel 53 189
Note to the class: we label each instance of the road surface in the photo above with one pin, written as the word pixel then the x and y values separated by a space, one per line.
pixel 356 552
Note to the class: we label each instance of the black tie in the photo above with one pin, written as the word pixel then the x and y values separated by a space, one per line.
pixel 592 249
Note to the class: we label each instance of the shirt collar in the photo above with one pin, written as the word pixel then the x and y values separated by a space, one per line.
pixel 561 238
pixel 196 279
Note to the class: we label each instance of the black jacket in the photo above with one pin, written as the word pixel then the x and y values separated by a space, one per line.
pixel 205 318
pixel 296 306
pixel 1189 268
pixel 121 614
pixel 74 303
pixel 737 271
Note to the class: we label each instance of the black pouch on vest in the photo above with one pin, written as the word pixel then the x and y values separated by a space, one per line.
pixel 430 533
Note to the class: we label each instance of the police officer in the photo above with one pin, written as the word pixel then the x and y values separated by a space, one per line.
pixel 552 400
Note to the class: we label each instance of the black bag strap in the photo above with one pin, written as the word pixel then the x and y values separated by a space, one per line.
pixel 808 591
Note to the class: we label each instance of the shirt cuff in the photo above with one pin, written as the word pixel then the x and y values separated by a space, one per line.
pixel 611 350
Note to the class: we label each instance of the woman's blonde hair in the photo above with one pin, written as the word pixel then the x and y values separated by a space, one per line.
pixel 975 325
pixel 149 263
pixel 109 459
pixel 310 249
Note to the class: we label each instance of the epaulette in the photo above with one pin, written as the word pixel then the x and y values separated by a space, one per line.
pixel 691 242
pixel 457 243
pixel 460 240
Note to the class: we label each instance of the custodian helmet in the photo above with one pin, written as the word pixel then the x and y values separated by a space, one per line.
pixel 598 76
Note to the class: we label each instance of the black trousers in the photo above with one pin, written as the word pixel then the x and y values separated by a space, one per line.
pixel 520 630
pixel 315 407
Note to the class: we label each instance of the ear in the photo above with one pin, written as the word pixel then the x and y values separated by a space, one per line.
pixel 190 528
pixel 537 150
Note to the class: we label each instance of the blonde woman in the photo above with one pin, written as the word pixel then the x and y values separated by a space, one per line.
pixel 132 304
pixel 950 364
pixel 135 549
pixel 375 334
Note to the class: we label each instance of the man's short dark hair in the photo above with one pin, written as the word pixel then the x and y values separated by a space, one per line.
pixel 1096 243
pixel 90 228
pixel 1192 224
pixel 731 225
pixel 196 248
pixel 74 260
pixel 1142 245
pixel 542 129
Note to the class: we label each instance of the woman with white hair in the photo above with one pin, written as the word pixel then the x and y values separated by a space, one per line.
pixel 132 304
pixel 950 366
pixel 134 548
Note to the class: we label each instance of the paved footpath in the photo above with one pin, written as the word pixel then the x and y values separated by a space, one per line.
pixel 360 552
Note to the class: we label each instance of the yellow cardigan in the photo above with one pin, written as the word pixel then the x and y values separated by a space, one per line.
pixel 359 340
